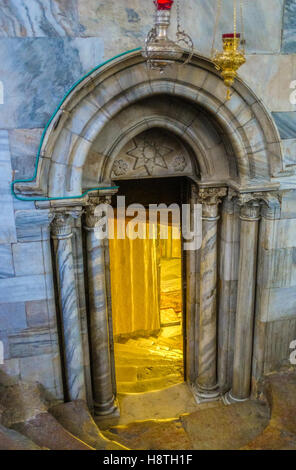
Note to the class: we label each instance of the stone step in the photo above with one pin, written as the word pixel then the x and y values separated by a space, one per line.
pixel 47 432
pixel 150 384
pixel 137 373
pixel 77 420
pixel 12 440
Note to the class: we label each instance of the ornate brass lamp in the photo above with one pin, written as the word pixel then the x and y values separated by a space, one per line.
pixel 233 55
pixel 161 51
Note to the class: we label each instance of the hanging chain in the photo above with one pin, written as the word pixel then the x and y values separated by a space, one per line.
pixel 178 16
pixel 182 37
pixel 234 22
pixel 217 21
pixel 243 42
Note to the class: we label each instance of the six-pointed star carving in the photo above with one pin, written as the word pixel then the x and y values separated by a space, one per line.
pixel 149 154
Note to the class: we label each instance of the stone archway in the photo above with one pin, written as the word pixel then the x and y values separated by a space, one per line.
pixel 235 152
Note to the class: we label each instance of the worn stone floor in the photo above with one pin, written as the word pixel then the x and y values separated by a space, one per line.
pixel 166 419
pixel 171 419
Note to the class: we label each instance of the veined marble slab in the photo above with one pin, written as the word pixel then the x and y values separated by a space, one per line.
pixel 127 22
pixel 289 27
pixel 24 145
pixel 6 262
pixel 39 368
pixel 28 258
pixel 277 304
pixel 7 223
pixel 270 77
pixel 13 316
pixel 33 342
pixel 286 123
pixel 22 288
pixel 37 74
pixel 39 18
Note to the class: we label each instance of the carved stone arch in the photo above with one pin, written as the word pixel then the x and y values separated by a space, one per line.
pixel 243 121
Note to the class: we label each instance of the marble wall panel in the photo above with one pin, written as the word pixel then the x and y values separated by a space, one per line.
pixel 37 313
pixel 38 18
pixel 39 368
pixel 24 145
pixel 279 234
pixel 277 303
pixel 289 205
pixel 127 22
pixel 289 27
pixel 286 123
pixel 277 268
pixel 28 258
pixel 37 74
pixel 270 77
pixel 289 151
pixel 34 342
pixel 12 316
pixel 7 223
pixel 6 262
pixel 22 289
pixel 278 337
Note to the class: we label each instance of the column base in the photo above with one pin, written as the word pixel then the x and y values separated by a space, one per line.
pixel 228 399
pixel 106 409
pixel 203 395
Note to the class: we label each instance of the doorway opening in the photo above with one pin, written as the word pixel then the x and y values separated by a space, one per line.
pixel 147 294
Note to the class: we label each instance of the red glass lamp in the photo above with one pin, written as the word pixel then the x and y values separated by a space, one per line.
pixel 163 4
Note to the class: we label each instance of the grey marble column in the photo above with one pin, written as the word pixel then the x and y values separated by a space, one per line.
pixel 228 280
pixel 192 300
pixel 98 313
pixel 244 325
pixel 207 388
pixel 267 266
pixel 69 307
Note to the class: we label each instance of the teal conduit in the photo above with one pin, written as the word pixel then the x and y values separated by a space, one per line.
pixel 20 198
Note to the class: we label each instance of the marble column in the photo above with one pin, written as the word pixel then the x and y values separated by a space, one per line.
pixel 207 388
pixel 69 306
pixel 98 314
pixel 267 266
pixel 227 293
pixel 192 300
pixel 244 325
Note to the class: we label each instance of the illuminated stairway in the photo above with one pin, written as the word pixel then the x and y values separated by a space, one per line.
pixel 147 364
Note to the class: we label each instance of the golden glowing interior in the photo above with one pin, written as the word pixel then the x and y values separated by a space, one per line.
pixel 146 287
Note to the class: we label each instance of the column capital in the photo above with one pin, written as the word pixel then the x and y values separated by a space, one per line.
pixel 91 219
pixel 249 207
pixel 272 204
pixel 210 198
pixel 61 225
pixel 267 204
